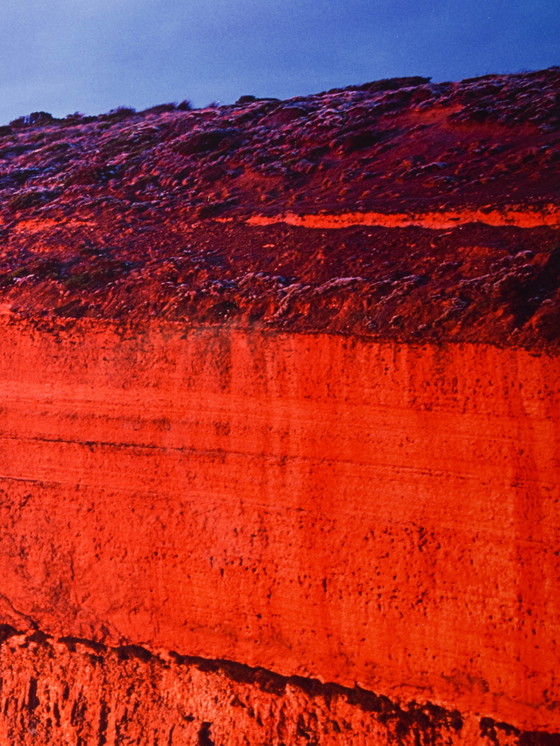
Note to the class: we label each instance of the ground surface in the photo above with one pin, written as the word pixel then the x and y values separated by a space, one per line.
pixel 182 214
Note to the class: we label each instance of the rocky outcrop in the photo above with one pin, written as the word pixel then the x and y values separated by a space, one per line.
pixel 283 470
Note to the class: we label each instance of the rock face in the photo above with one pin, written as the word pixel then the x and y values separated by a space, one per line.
pixel 283 468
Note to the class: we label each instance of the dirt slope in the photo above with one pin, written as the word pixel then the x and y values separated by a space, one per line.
pixel 398 209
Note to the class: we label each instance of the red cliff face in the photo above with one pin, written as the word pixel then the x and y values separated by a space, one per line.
pixel 283 468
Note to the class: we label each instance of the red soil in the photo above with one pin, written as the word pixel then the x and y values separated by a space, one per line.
pixel 280 386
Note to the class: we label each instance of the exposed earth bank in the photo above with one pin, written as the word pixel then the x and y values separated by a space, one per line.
pixel 279 387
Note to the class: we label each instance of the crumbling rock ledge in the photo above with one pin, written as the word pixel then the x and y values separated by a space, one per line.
pixel 74 691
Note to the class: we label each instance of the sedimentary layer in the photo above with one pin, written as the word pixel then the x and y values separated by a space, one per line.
pixel 279 438
pixel 332 508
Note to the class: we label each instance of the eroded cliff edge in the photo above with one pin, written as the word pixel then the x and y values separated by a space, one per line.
pixel 278 475
pixel 312 505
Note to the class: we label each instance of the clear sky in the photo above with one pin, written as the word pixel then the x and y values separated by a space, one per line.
pixel 63 56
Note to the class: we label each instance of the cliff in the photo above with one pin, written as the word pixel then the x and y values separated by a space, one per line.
pixel 279 440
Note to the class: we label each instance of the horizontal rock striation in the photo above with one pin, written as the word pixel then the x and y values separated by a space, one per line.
pixel 279 444
pixel 547 215
pixel 314 505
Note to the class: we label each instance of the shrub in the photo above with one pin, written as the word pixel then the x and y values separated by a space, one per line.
pixel 121 112
pixel 160 109
pixel 203 142
pixel 33 119
pixel 23 200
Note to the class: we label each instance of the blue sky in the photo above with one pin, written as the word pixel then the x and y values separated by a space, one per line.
pixel 91 56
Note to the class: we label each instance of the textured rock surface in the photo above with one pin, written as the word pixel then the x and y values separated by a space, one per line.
pixel 279 443
pixel 73 691
pixel 314 505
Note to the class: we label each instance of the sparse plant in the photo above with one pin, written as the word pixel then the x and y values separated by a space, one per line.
pixel 33 119
pixel 121 112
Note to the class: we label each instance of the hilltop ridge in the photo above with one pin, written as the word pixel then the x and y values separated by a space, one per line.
pixel 225 214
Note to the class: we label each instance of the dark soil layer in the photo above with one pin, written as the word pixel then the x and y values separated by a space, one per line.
pixel 128 215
